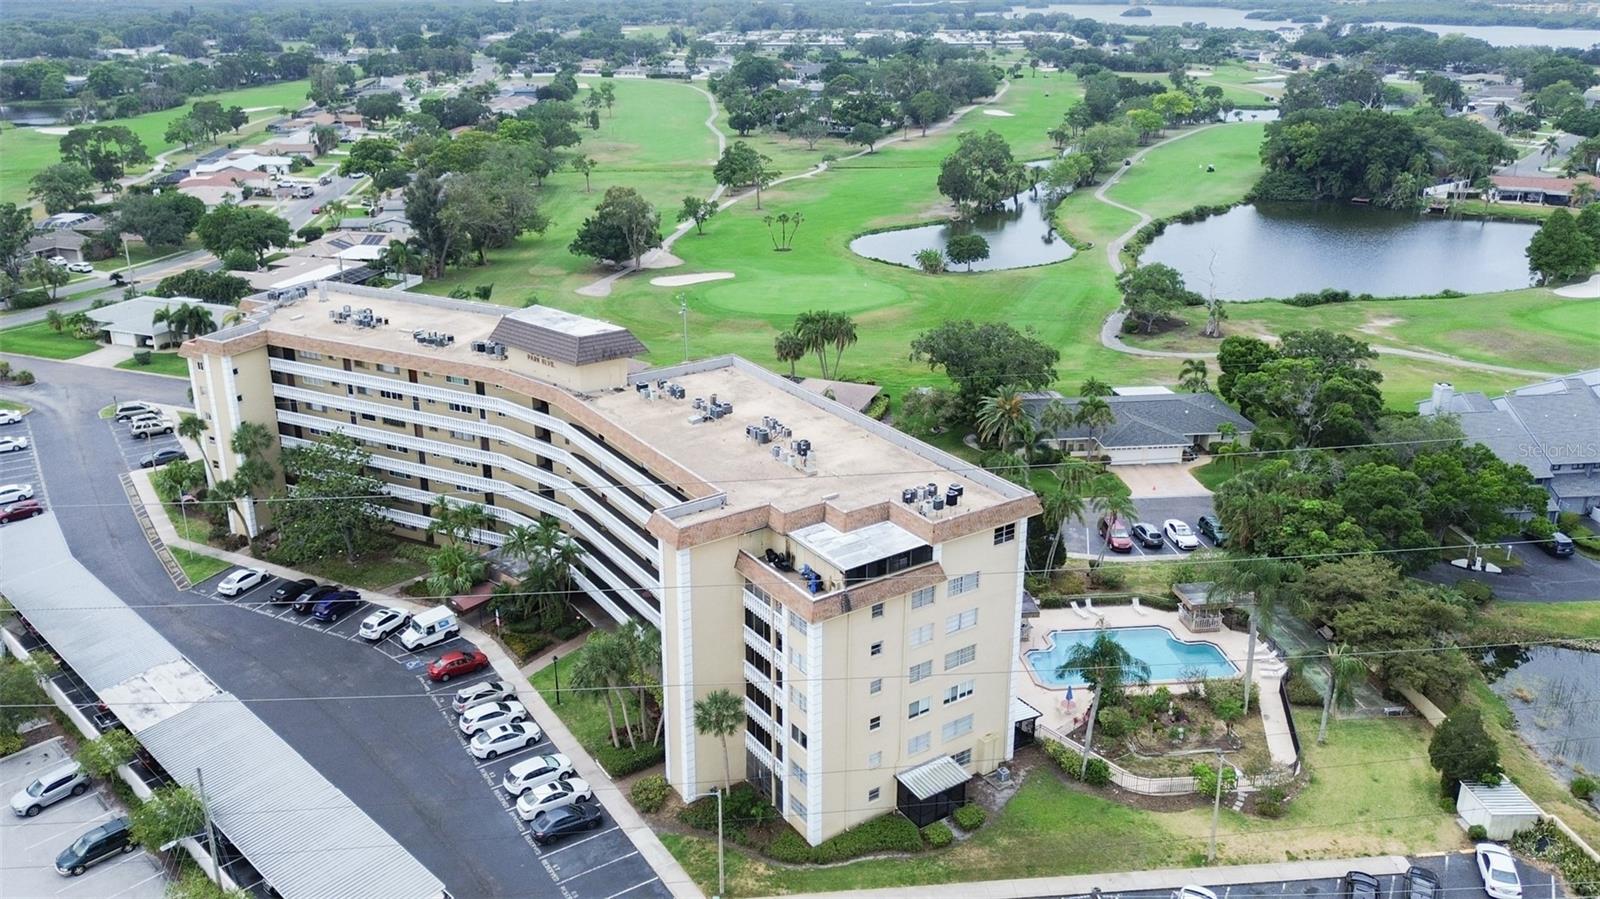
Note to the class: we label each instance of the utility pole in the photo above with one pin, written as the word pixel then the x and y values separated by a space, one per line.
pixel 722 876
pixel 683 312
pixel 1216 813
pixel 211 831
pixel 1088 738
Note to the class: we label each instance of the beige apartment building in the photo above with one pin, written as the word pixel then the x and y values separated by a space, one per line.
pixel 861 589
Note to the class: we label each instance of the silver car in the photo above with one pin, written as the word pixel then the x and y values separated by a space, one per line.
pixel 51 787
pixel 480 693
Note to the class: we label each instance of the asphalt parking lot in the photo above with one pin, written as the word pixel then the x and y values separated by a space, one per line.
pixel 1541 578
pixel 133 449
pixel 28 846
pixel 22 466
pixel 602 864
pixel 1458 877
pixel 1079 538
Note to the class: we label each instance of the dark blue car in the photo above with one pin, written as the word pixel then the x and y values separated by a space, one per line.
pixel 337 605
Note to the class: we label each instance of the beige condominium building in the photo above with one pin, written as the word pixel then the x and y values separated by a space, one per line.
pixel 861 590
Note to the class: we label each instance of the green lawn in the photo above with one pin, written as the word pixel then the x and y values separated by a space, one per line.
pixel 160 364
pixel 1566 620
pixel 1222 469
pixel 198 566
pixel 25 151
pixel 24 408
pixel 1238 83
pixel 585 715
pixel 377 571
pixel 38 340
pixel 1234 150
pixel 139 252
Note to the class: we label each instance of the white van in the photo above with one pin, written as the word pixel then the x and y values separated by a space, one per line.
pixel 427 628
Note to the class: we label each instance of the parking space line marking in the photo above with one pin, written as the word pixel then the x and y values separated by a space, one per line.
pixel 78 881
pixel 506 755
pixel 69 827
pixel 634 887
pixel 140 883
pixel 586 839
pixel 606 864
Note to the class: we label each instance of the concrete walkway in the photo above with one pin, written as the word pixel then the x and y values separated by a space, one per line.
pixel 1163 879
pixel 606 792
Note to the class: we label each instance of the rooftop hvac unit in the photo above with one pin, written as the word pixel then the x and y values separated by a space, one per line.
pixel 500 351
pixel 909 496
pixel 953 494
pixel 480 346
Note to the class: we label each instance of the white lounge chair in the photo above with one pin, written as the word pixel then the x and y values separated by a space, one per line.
pixel 1088 606
pixel 1077 611
pixel 1138 608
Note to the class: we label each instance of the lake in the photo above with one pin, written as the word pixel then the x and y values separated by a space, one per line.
pixel 1554 693
pixel 35 113
pixel 1019 236
pixel 1218 17
pixel 1281 249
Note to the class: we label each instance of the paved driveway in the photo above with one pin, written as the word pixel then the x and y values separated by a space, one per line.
pixel 1153 481
pixel 1458 875
pixel 1542 578
pixel 28 846
pixel 361 716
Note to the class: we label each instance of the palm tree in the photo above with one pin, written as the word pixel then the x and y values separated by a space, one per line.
pixel 454 569
pixel 841 334
pixel 55 320
pixel 400 257
pixel 1055 418
pixel 643 646
pixel 812 328
pixel 1105 665
pixel 185 320
pixel 1095 414
pixel 458 520
pixel 1262 582
pixel 1550 148
pixel 1003 418
pixel 1582 194
pixel 1094 387
pixel 588 673
pixel 191 427
pixel 1344 670
pixel 1193 377
pixel 790 348
pixel 1110 498
pixel 720 714
pixel 1057 506
pixel 612 658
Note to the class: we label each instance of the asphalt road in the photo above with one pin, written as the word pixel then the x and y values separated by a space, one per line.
pixel 361 716
pixel 1078 538
pixel 1542 578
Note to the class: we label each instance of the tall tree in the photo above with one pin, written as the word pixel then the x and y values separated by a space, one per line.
pixel 623 226
pixel 333 504
pixel 1344 672
pixel 243 228
pixel 698 210
pixel 62 187
pixel 1194 376
pixel 1560 250
pixel 965 249
pixel 980 358
pixel 435 232
pixel 720 714
pixel 791 348
pixel 980 173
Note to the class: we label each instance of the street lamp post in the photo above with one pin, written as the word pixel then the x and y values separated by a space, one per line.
pixel 722 877
pixel 683 313
pixel 555 663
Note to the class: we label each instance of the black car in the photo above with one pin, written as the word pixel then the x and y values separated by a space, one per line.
pixel 308 600
pixel 1360 885
pixel 1559 545
pixel 1422 883
pixel 1147 535
pixel 553 824
pixel 1211 528
pixel 161 457
pixel 99 844
pixel 289 591
pixel 336 605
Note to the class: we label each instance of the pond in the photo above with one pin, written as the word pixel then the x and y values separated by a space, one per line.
pixel 1554 693
pixel 34 113
pixel 1281 249
pixel 1020 235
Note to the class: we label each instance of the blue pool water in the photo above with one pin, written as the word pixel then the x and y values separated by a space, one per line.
pixel 1168 657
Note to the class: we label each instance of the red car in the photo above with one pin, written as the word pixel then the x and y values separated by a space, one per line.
pixel 28 508
pixel 1116 535
pixel 456 663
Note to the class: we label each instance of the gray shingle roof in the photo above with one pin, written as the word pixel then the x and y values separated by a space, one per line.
pixel 565 337
pixel 1573 486
pixel 1171 419
pixel 1564 423
pixel 1500 431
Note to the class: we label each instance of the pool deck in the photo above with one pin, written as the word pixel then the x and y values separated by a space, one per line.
pixel 1058 715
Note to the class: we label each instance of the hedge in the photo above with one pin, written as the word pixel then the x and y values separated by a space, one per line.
pixel 938 835
pixel 1546 842
pixel 970 817
pixel 891 833
pixel 1071 763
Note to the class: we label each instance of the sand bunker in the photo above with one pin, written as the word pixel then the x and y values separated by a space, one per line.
pixel 1000 112
pixel 52 130
pixel 686 280
pixel 1585 291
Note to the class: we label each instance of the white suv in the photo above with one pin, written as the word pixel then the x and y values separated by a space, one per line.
pixel 145 428
pixel 51 787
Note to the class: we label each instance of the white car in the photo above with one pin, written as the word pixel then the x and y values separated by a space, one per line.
pixel 81 268
pixel 241 581
pixel 382 623
pixel 1499 871
pixel 1179 534
pixel 491 714
pixel 536 772
pixel 128 411
pixel 58 261
pixel 1193 891
pixel 505 738
pixel 556 794
pixel 480 693
pixel 10 493
pixel 10 416
pixel 12 444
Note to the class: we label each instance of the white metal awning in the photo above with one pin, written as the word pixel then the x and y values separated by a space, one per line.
pixel 1022 711
pixel 933 777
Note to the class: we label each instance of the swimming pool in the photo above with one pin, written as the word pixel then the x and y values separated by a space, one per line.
pixel 1168 657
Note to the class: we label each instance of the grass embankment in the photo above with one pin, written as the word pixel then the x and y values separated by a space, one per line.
pixel 1372 792
pixel 584 713
pixel 1526 770
pixel 1221 470
pixel 377 571
pixel 8 405
pixel 26 151
pixel 38 340
pixel 1556 620
pixel 169 364
pixel 1239 83
pixel 198 566
pixel 139 253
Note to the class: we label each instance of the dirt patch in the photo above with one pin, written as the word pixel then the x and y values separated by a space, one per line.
pixel 1000 113
pixel 1377 325
pixel 686 280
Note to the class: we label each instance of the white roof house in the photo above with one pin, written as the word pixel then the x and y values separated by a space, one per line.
pixel 132 322
pixel 255 162
pixel 1501 810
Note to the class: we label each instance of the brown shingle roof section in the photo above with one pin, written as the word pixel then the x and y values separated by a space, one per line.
pixel 564 337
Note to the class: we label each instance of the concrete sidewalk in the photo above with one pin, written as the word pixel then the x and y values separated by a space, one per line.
pixel 1129 881
pixel 606 791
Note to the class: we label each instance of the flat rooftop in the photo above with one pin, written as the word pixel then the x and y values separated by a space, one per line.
pixel 853 462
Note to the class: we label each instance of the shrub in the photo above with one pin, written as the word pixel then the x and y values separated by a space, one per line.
pixel 1098 773
pixel 1584 787
pixel 1546 842
pixel 624 761
pixel 525 645
pixel 141 357
pixel 649 793
pixel 31 299
pixel 970 817
pixel 1205 779
pixel 1109 577
pixel 309 233
pixel 1303 692
pixel 1221 691
pixel 239 260
pixel 1476 833
pixel 1476 592
pixel 1114 722
pixel 938 835
pixel 1269 802
pixel 891 833
pixel 22 377
pixel 102 755
pixel 10 743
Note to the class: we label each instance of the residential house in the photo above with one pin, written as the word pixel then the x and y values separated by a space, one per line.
pixel 847 393
pixel 1539 190
pixel 65 244
pixel 132 323
pixel 222 185
pixel 248 161
pixel 1152 426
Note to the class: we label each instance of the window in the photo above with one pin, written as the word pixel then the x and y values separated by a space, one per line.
pixel 799 662
pixel 388 369
pixel 961 621
pixel 459 407
pixel 367 417
pixel 358 364
pixel 306 381
pixel 797 807
pixel 796 772
pixel 874 760
pixel 962 584
pixel 921 670
pixel 958 692
pixel 960 656
pixel 875 687
pixel 362 391
pixel 394 422
pixel 875 722
pixel 389 395
pixel 873 794
pixel 921 635
pixel 957 728
pixel 919 743
pixel 923 597
pixel 798 698
pixel 963 758
pixel 918 708
pixel 796 622
pixel 458 435
pixel 1005 533
pixel 452 379
pixel 308 356
pixel 877 610
pixel 877 648
pixel 797 735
